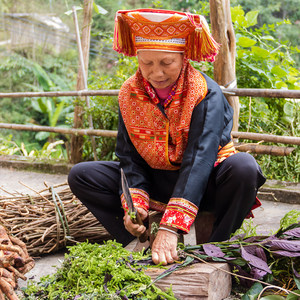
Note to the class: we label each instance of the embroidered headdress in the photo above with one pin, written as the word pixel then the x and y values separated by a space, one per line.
pixel 157 29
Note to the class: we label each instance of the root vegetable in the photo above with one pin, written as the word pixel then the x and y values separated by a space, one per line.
pixel 14 263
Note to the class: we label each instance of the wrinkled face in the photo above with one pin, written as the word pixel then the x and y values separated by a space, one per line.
pixel 160 68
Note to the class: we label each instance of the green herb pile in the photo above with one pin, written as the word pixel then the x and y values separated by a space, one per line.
pixel 93 271
pixel 108 271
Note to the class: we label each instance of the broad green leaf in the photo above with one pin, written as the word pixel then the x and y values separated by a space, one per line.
pixel 56 113
pixel 50 105
pixel 291 79
pixel 272 297
pixel 280 85
pixel 245 42
pixel 253 292
pixel 69 12
pixel 278 71
pixel 236 12
pixel 42 135
pixel 242 53
pixel 51 146
pixel 41 75
pixel 258 70
pixel 297 281
pixel 288 109
pixel 292 296
pixel 267 37
pixel 238 16
pixel 288 119
pixel 39 105
pixel 32 153
pixel 99 10
pixel 260 52
pixel 251 18
pixel 24 151
pixel 239 261
pixel 35 105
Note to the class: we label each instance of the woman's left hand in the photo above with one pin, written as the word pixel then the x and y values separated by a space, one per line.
pixel 164 248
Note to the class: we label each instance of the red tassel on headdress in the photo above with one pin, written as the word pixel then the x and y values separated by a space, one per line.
pixel 123 37
pixel 200 45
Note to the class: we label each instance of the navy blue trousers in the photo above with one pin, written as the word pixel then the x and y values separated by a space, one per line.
pixel 230 194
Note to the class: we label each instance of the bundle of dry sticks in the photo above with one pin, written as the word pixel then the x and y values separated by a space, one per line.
pixel 49 220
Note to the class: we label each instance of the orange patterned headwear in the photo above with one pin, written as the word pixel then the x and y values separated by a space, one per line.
pixel 164 30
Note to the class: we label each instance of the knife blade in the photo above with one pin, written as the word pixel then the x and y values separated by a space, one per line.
pixel 134 215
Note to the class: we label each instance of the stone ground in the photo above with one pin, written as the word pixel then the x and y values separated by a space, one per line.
pixel 13 181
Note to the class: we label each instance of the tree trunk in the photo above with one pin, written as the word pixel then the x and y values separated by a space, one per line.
pixel 77 141
pixel 224 66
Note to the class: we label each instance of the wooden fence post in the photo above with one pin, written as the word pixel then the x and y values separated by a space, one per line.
pixel 224 66
pixel 77 141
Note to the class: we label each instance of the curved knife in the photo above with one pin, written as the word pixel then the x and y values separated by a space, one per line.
pixel 134 215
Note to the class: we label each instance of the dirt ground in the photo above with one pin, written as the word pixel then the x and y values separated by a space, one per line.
pixel 12 181
pixel 18 181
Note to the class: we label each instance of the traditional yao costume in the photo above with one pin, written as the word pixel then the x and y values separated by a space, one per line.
pixel 174 146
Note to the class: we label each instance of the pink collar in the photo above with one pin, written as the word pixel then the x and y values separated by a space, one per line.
pixel 163 93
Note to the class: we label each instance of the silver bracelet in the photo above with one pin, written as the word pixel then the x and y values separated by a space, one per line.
pixel 167 229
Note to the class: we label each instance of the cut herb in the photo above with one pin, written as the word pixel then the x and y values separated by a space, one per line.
pixel 93 271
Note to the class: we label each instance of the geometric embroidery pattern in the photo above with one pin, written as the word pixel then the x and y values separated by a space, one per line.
pixel 180 213
pixel 159 139
pixel 176 26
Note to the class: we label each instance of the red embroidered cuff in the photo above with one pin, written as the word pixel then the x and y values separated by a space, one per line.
pixel 140 198
pixel 180 213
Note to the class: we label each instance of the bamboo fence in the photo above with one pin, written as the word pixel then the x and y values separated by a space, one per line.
pixel 254 148
pixel 269 93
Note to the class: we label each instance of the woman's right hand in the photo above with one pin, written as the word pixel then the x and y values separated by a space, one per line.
pixel 135 229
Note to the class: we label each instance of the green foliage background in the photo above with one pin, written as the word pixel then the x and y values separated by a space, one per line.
pixel 267 57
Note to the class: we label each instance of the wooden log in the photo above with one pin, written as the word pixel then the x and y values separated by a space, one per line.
pixel 80 93
pixel 113 133
pixel 224 65
pixel 73 131
pixel 198 281
pixel 264 149
pixel 293 140
pixel 268 93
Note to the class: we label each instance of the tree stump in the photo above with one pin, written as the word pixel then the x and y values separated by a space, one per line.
pixel 198 281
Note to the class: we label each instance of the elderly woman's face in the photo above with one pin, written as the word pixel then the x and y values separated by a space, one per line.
pixel 160 68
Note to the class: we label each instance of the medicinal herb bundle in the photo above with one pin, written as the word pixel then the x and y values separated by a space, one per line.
pixel 93 271
pixel 108 271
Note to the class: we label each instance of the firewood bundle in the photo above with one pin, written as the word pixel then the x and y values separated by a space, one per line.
pixel 14 263
pixel 49 220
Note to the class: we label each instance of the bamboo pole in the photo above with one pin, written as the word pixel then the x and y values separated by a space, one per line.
pixel 84 69
pixel 264 149
pixel 77 141
pixel 73 131
pixel 292 140
pixel 224 65
pixel 113 133
pixel 268 93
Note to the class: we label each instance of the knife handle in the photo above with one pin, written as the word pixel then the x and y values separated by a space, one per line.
pixel 144 237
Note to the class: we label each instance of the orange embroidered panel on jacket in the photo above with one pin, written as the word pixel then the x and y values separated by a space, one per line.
pixel 161 139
